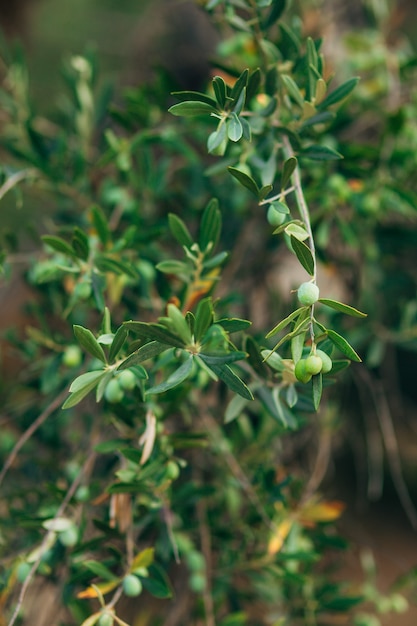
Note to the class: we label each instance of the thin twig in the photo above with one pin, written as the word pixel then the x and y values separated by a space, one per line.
pixel 45 542
pixel 55 404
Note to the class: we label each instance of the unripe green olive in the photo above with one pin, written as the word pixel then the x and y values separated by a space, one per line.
pixel 22 571
pixel 72 356
pixel 132 586
pixel 275 217
pixel 196 561
pixel 172 470
pixel 127 380
pixel 113 392
pixel 197 582
pixel 69 537
pixel 326 361
pixel 314 364
pixel 308 294
pixel 300 371
pixel 82 291
pixel 106 620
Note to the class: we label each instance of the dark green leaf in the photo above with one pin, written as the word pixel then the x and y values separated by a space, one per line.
pixel 283 323
pixel 194 96
pixel 99 570
pixel 276 408
pixel 321 153
pixel 343 308
pixel 192 108
pixel 157 583
pixel 107 263
pixel 277 9
pixel 219 359
pixel 175 379
pixel 180 230
pixel 320 118
pixel 303 254
pixel 100 224
pixel 218 139
pixel 216 260
pixel 255 358
pixel 244 180
pixel 203 318
pixel 219 87
pixel 155 332
pixel 87 340
pixel 232 380
pixel 233 324
pixel 264 191
pixel 253 84
pixel 85 379
pixel 234 408
pixel 339 93
pixel 173 267
pixel 80 244
pixel 317 390
pixel 148 351
pixel 239 85
pixel 117 343
pixel 343 345
pixel 58 244
pixel 288 170
pixel 211 224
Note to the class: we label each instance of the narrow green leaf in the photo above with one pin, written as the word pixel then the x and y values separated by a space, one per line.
pixel 320 118
pixel 59 245
pixel 321 153
pixel 77 396
pixel 244 180
pixel 253 84
pixel 233 324
pixel 219 87
pixel 117 343
pixel 87 340
pixel 240 103
pixel 194 96
pixel 148 351
pixel 211 224
pixel 107 263
pixel 297 345
pixel 102 384
pixel 85 379
pixel 173 267
pixel 192 108
pixel 234 408
pixel 155 332
pixel 175 379
pixel 99 569
pixel 255 357
pixel 232 380
pixel 294 230
pixel 179 230
pixel 203 318
pixel 317 390
pixel 288 170
pixel 303 254
pixel 219 359
pixel 292 89
pixel 343 308
pixel 239 85
pixel 277 9
pixel 217 141
pixel 179 323
pixel 343 345
pixel 100 224
pixel 80 243
pixel 339 93
pixel 264 191
pixel 157 583
pixel 283 323
pixel 234 128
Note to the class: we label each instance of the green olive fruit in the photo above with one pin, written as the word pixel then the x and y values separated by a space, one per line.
pixel 196 561
pixel 326 361
pixel 69 537
pixel 72 356
pixel 308 294
pixel 82 290
pixel 132 586
pixel 275 217
pixel 172 470
pixel 113 392
pixel 313 365
pixel 22 571
pixel 82 494
pixel 105 620
pixel 300 371
pixel 197 582
pixel 127 380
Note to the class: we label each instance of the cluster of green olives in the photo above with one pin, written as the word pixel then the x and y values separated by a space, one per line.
pixel 317 363
pixel 123 381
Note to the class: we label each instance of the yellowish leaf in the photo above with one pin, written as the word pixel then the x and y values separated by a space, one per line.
pixel 95 590
pixel 143 559
pixel 321 512
pixel 279 536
